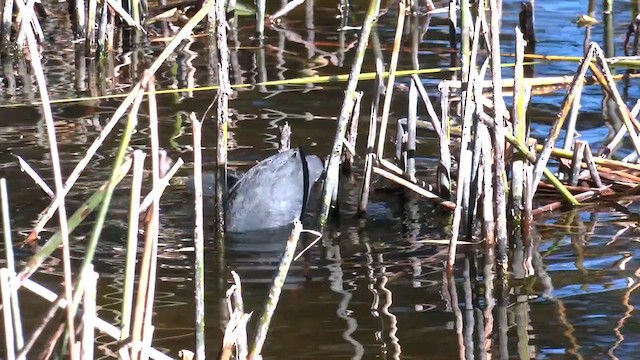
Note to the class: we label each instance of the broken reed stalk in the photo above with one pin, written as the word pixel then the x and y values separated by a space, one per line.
pixel 411 186
pixel 132 244
pixel 223 114
pixel 24 166
pixel 198 238
pixel 57 174
pixel 285 138
pixel 184 33
pixel 499 139
pixel 333 166
pixel 274 292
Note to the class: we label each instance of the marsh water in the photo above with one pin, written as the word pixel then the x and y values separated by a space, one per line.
pixel 378 291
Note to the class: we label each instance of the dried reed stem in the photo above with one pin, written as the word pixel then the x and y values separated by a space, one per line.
pixel 411 186
pixel 498 139
pixel 132 243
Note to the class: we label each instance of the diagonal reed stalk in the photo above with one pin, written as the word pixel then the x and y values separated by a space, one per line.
pixel 333 167
pixel 274 292
pixel 57 174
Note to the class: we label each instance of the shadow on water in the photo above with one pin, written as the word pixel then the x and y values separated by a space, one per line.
pixel 377 290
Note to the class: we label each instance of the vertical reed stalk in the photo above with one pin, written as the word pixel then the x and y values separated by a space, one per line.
pixel 609 29
pixel 8 250
pixel 519 127
pixel 333 167
pixel 89 313
pixel 274 292
pixel 81 23
pixel 91 28
pixel 198 237
pixel 261 13
pixel 465 32
pixel 132 244
pixel 5 286
pixel 412 118
pixel 223 114
pixel 57 172
pixel 444 167
pixel 7 23
pixel 498 139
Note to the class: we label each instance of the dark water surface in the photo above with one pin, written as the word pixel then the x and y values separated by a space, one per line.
pixel 379 292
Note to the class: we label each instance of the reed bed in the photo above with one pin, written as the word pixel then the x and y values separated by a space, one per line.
pixel 486 187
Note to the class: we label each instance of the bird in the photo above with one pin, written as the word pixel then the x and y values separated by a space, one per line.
pixel 272 194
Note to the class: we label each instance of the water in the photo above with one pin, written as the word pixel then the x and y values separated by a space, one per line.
pixel 379 292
